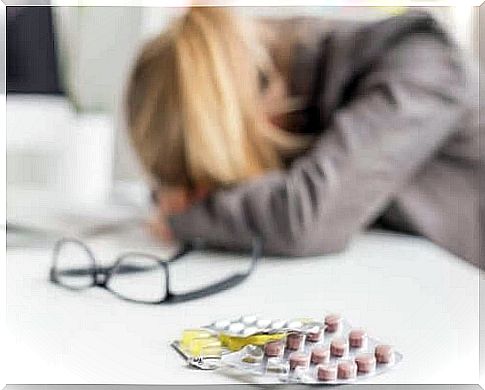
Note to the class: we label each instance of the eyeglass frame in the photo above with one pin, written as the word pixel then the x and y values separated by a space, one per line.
pixel 170 297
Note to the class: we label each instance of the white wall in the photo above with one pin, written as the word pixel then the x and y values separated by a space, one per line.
pixel 96 45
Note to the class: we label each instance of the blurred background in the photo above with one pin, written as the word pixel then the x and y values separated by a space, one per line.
pixel 70 167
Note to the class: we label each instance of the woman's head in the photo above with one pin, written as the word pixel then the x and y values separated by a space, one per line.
pixel 196 103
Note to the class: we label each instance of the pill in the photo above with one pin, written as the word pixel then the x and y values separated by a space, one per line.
pixel 295 325
pixel 278 324
pixel 248 320
pixel 327 372
pixel 299 359
pixel 236 327
pixel 339 347
pixel 189 334
pixel 222 324
pixel 294 341
pixel 320 355
pixel 357 338
pixel 274 348
pixel 263 323
pixel 205 346
pixel 366 362
pixel 333 322
pixel 314 334
pixel 347 369
pixel 384 354
pixel 249 330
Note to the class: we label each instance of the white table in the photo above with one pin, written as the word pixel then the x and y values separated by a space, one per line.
pixel 405 290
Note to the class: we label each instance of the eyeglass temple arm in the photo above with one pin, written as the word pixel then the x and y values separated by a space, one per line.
pixel 225 283
pixel 209 290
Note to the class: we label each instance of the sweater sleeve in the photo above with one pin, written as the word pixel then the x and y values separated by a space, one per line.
pixel 401 113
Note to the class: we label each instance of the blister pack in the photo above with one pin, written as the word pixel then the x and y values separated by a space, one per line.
pixel 337 354
pixel 302 350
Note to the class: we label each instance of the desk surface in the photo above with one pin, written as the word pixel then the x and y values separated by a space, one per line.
pixel 404 290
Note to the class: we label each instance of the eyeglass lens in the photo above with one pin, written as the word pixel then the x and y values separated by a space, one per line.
pixel 138 278
pixel 74 265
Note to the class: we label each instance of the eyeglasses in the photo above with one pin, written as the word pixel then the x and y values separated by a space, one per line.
pixel 135 276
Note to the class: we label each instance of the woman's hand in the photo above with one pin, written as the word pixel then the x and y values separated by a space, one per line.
pixel 172 201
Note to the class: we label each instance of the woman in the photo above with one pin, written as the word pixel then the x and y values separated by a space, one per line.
pixel 305 133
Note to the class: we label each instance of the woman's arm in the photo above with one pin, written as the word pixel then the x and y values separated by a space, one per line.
pixel 402 112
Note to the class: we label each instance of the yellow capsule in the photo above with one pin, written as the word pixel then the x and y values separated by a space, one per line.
pixel 235 343
pixel 204 346
pixel 189 334
pixel 211 350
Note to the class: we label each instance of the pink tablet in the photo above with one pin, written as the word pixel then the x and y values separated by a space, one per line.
pixel 366 362
pixel 274 348
pixel 327 372
pixel 333 322
pixel 294 341
pixel 384 354
pixel 320 355
pixel 347 369
pixel 314 334
pixel 299 359
pixel 357 338
pixel 339 347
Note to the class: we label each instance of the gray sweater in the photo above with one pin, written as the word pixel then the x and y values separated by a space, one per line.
pixel 394 110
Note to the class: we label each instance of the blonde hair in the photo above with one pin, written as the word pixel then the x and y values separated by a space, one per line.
pixel 194 104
